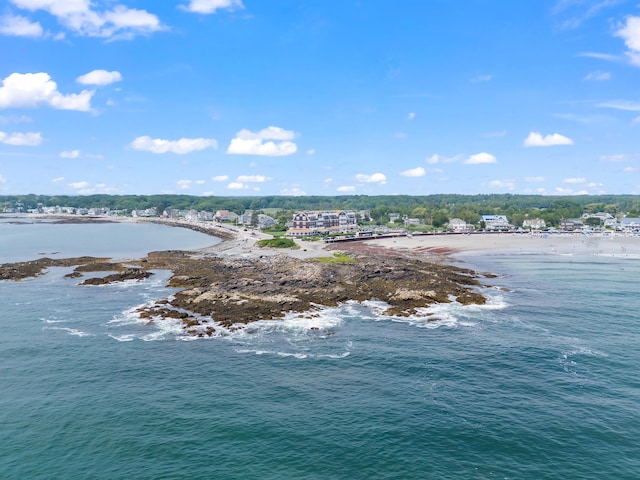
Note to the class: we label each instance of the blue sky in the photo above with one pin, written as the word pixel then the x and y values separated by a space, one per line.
pixel 311 97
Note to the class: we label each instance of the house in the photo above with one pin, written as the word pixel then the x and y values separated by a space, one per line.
pixel 458 225
pixel 534 223
pixel 629 224
pixel 496 222
pixel 306 223
pixel 393 217
pixel 225 216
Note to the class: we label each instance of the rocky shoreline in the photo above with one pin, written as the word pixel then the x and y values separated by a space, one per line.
pixel 231 291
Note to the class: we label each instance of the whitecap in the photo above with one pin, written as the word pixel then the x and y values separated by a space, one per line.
pixel 71 331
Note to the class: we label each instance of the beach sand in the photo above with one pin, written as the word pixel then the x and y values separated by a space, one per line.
pixel 515 244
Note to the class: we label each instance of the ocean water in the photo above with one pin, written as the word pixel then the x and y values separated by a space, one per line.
pixel 542 383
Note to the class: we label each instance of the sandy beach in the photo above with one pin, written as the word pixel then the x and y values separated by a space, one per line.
pixel 515 244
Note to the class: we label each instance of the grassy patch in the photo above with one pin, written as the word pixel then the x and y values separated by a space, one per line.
pixel 278 243
pixel 338 258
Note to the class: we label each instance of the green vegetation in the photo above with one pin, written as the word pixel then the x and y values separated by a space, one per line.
pixel 280 242
pixel 337 259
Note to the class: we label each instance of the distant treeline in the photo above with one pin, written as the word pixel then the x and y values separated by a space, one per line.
pixel 433 209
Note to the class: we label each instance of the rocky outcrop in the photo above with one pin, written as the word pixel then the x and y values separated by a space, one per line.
pixel 228 291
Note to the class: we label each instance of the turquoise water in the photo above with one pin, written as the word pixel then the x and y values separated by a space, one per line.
pixel 543 383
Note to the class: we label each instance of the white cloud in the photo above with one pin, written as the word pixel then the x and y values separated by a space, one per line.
pixel 630 169
pixel 184 184
pixel 29 139
pixel 373 178
pixel 598 76
pixel 536 139
pixel 247 142
pixel 346 189
pixel 57 180
pixel 411 116
pixel 99 77
pixel 2 179
pixel 600 56
pixel 294 191
pixel 503 184
pixel 311 151
pixel 414 172
pixel 79 185
pixel 621 105
pixel 70 154
pixel 436 158
pixel 480 158
pixel 181 147
pixel 620 157
pixel 630 32
pixel 574 181
pixel 252 179
pixel 19 26
pixel 534 179
pixel 210 6
pixel 32 90
pixel 237 186
pixel 79 17
pixel 5 120
pixel 220 178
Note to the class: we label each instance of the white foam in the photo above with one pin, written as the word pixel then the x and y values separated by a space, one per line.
pixel 71 331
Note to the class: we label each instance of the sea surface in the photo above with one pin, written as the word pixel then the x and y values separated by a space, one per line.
pixel 542 383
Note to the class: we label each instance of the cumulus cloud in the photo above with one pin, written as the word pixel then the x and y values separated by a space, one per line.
pixel 237 186
pixel 184 184
pixel 79 185
pixel 414 172
pixel 411 116
pixel 373 178
pixel 220 178
pixel 269 142
pixel 436 158
pixel 99 77
pixel 346 189
pixel 211 6
pixel 19 26
pixel 630 33
pixel 574 181
pixel 536 139
pixel 598 76
pixel 252 179
pixel 32 90
pixel 311 151
pixel 480 158
pixel 181 147
pixel 58 180
pixel 80 17
pixel 503 184
pixel 70 154
pixel 29 139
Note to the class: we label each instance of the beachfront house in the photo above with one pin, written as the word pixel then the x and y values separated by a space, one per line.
pixel 534 224
pixel 458 225
pixel 225 216
pixel 496 222
pixel 309 223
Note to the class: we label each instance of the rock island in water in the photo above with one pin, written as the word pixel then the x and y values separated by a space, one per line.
pixel 236 282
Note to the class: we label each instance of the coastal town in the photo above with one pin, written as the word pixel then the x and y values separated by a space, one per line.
pixel 343 224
